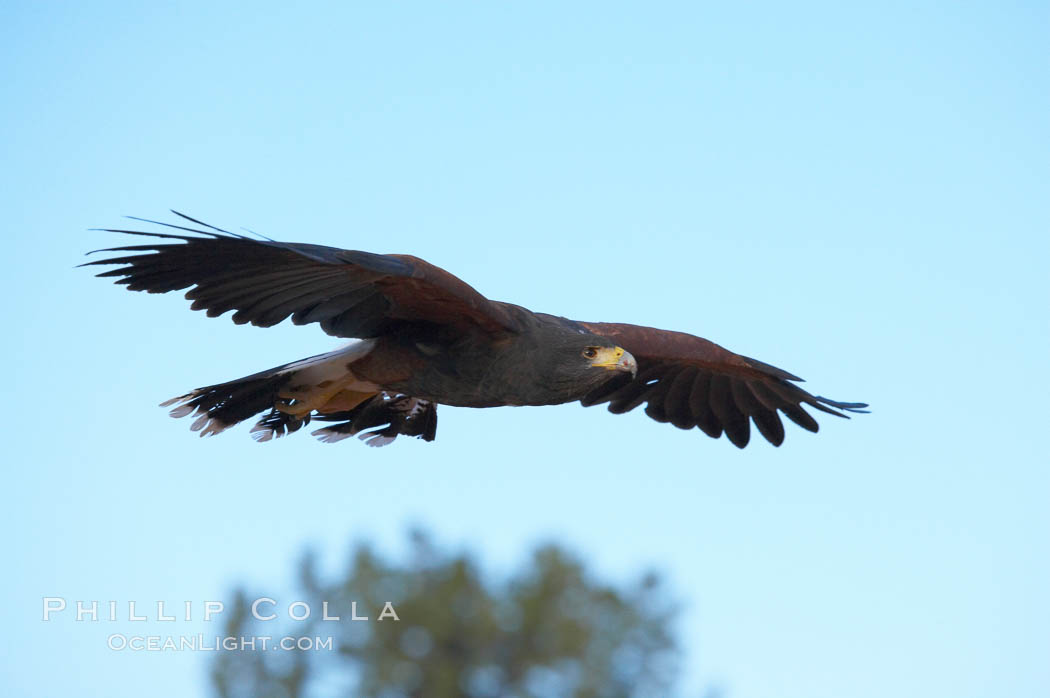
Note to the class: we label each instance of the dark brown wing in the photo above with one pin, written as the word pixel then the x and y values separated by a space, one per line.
pixel 691 382
pixel 350 293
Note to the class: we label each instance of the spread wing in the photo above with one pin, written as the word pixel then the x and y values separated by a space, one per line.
pixel 350 293
pixel 691 382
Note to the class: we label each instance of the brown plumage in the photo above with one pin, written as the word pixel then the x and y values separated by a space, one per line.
pixel 428 338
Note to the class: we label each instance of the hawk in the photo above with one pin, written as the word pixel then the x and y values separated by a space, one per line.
pixel 423 337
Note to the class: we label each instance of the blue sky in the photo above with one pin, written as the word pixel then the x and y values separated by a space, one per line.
pixel 855 194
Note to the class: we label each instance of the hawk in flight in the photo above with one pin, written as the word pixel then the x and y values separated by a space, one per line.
pixel 424 337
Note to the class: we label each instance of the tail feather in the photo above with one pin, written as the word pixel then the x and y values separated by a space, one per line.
pixel 219 407
pixel 293 394
pixel 276 424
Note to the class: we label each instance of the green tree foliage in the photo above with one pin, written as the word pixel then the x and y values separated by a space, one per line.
pixel 549 629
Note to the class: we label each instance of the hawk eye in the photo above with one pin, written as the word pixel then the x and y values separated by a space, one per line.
pixel 590 352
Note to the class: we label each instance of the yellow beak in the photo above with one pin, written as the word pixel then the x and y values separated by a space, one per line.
pixel 615 359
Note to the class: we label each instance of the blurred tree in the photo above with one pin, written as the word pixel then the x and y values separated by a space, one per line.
pixel 549 630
